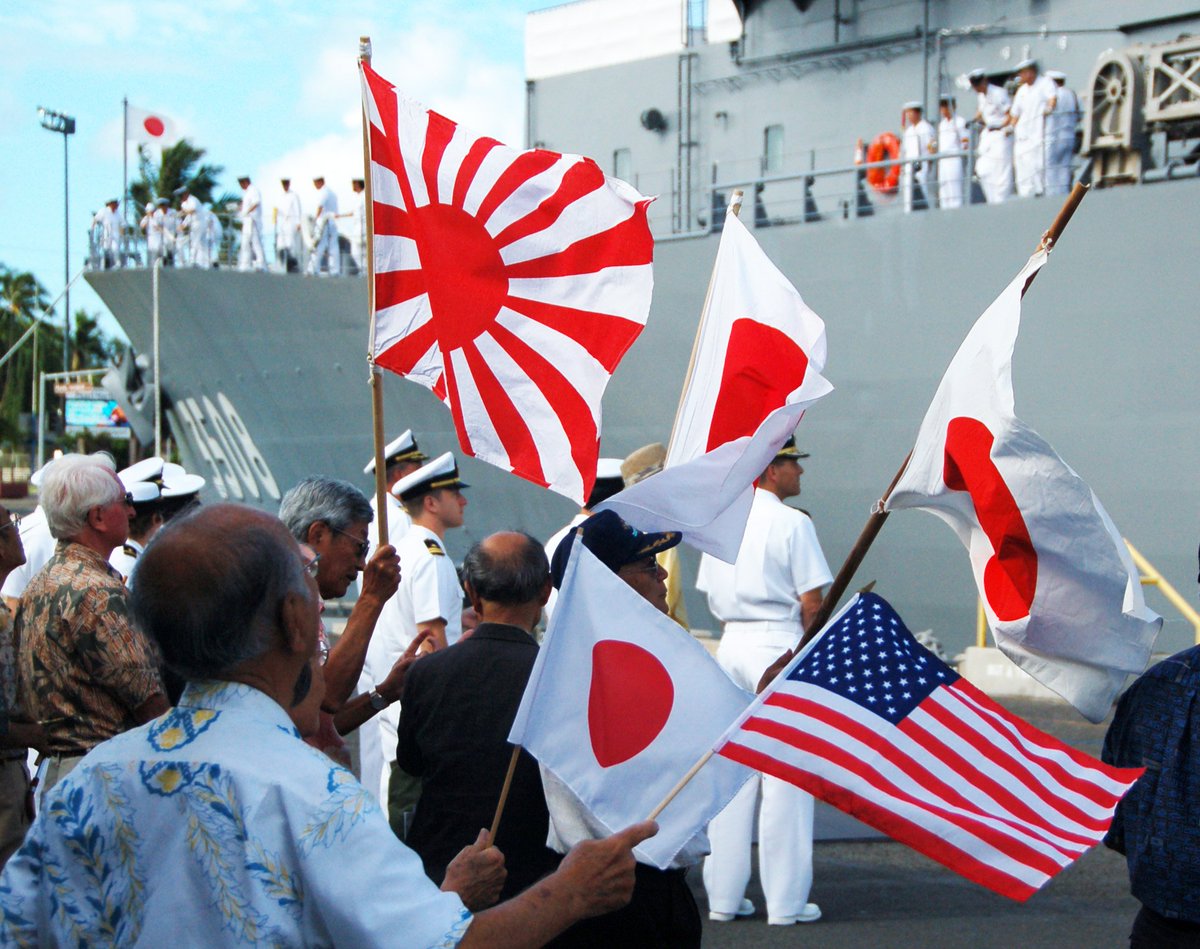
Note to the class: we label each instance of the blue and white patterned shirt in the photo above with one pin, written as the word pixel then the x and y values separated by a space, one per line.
pixel 215 825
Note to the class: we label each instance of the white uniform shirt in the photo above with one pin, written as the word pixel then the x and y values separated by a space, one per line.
pixel 326 208
pixel 124 558
pixel 780 558
pixel 1060 124
pixel 358 219
pixel 551 546
pixel 289 220
pixel 39 548
pixel 1029 108
pixel 953 135
pixel 190 208
pixel 993 106
pixel 398 524
pixel 109 223
pixel 917 139
pixel 216 820
pixel 251 198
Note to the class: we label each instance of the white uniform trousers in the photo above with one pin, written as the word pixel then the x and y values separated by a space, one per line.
pixel 1058 165
pixel 198 245
pixel 251 256
pixel 1029 167
pixel 785 824
pixel 327 252
pixel 993 165
pixel 950 182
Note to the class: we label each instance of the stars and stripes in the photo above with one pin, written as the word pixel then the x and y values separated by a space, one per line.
pixel 872 722
pixel 509 283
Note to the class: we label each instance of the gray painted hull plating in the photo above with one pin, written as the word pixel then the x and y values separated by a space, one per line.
pixel 1104 369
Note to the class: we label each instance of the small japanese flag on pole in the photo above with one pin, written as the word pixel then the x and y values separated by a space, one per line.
pixel 147 128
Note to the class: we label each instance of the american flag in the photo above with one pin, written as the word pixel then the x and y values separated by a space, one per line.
pixel 871 721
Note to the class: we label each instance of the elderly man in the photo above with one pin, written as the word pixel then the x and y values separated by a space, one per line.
pixel 86 672
pixel 663 912
pixel 215 824
pixel 332 517
pixel 765 600
pixel 457 710
pixel 16 734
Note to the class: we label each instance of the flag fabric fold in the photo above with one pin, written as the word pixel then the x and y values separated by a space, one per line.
pixel 621 703
pixel 149 127
pixel 1061 593
pixel 510 283
pixel 757 368
pixel 869 720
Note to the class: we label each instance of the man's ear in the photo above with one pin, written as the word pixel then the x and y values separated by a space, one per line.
pixel 545 595
pixel 473 597
pixel 295 617
pixel 316 533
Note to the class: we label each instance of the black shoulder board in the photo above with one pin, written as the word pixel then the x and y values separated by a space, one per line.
pixel 129 551
pixel 434 548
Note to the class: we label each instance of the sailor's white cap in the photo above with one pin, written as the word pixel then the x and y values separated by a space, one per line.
pixel 608 468
pixel 977 73
pixel 442 472
pixel 403 448
pixel 1056 74
pixel 177 482
pixel 148 469
pixel 1026 64
pixel 143 492
pixel 914 104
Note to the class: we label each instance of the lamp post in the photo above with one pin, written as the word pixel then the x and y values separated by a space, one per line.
pixel 65 124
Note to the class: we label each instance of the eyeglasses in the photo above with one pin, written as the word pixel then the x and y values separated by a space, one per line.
pixel 128 499
pixel 310 566
pixel 14 521
pixel 648 565
pixel 363 545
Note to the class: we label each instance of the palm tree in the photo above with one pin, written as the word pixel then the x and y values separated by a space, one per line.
pixel 181 164
pixel 90 347
pixel 22 299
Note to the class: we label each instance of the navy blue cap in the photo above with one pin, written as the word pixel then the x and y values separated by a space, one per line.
pixel 614 543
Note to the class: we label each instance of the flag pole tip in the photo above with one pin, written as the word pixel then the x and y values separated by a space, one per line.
pixel 364 48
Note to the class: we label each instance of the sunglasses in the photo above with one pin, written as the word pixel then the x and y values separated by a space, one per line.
pixel 362 545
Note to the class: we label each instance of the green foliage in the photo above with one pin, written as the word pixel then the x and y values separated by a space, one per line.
pixel 181 164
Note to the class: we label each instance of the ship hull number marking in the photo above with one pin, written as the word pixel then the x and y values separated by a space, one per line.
pixel 218 435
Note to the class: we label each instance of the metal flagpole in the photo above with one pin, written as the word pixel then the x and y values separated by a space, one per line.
pixel 124 178
pixel 157 366
pixel 376 374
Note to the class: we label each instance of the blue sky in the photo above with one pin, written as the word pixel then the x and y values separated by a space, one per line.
pixel 268 87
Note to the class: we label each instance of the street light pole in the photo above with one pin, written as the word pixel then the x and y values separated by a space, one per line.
pixel 65 125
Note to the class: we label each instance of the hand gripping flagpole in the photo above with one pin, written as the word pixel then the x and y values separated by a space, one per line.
pixel 878 515
pixel 376 374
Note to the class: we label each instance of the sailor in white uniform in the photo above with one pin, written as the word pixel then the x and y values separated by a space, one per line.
pixel 993 159
pixel 109 224
pixel 608 482
pixel 1060 133
pixel 919 140
pixel 401 456
pixel 326 252
pixel 763 600
pixel 429 599
pixel 38 543
pixel 1035 100
pixel 289 228
pixel 213 232
pixel 952 137
pixel 160 490
pixel 251 256
pixel 145 523
pixel 358 224
pixel 193 222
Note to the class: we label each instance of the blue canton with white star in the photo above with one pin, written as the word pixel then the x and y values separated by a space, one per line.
pixel 870 658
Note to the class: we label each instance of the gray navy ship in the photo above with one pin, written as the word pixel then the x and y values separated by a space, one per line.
pixel 264 375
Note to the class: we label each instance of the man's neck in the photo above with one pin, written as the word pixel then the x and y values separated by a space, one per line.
pixel 522 615
pixel 94 541
pixel 431 522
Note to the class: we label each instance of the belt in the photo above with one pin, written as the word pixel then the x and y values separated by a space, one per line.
pixel 997 128
pixel 69 754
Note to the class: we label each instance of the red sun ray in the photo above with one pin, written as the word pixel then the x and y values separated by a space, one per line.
pixel 627 244
pixel 403 355
pixel 581 179
pixel 466 171
pixel 518 441
pixel 391 221
pixel 449 394
pixel 384 95
pixel 437 137
pixel 606 337
pixel 397 286
pixel 571 408
pixel 522 168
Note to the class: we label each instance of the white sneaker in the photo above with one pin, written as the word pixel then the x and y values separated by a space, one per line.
pixel 810 914
pixel 745 909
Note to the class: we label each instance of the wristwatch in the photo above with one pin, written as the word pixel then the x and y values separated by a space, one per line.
pixel 378 702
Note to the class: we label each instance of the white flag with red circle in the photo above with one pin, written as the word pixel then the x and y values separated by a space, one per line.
pixel 757 369
pixel 508 282
pixel 1060 590
pixel 149 128
pixel 621 703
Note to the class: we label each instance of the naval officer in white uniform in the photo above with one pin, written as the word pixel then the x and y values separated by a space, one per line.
pixel 993 158
pixel 251 256
pixel 1060 135
pixel 1035 100
pixel 952 137
pixel 326 251
pixel 763 601
pixel 38 543
pixel 402 456
pixel 430 597
pixel 160 490
pixel 919 140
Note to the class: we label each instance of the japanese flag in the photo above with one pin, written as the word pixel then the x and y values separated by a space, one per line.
pixel 1060 590
pixel 148 127
pixel 757 368
pixel 619 706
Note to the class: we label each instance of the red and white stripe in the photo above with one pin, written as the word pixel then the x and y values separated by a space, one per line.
pixel 959 779
pixel 509 283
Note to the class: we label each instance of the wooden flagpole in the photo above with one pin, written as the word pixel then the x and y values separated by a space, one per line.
pixel 869 532
pixel 376 374
pixel 878 515
pixel 512 767
pixel 735 207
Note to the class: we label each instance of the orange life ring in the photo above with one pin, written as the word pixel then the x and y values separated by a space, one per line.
pixel 885 147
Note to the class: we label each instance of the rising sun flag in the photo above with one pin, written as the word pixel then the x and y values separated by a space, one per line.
pixel 508 282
